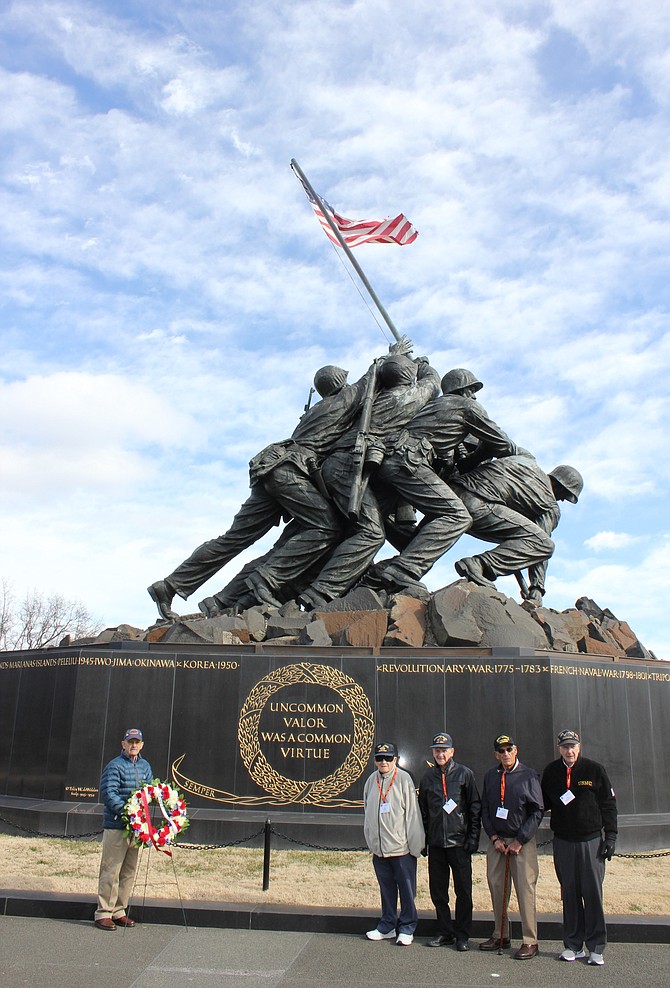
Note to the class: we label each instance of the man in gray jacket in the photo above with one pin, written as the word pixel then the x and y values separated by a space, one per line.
pixel 394 834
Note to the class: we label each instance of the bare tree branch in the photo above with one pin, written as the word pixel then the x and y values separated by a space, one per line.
pixel 39 621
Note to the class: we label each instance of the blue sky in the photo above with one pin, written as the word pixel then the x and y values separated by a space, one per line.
pixel 167 293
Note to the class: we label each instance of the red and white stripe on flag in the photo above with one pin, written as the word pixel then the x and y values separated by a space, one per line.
pixel 398 230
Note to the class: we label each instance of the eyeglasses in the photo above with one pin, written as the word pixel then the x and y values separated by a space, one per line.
pixel 384 758
pixel 508 749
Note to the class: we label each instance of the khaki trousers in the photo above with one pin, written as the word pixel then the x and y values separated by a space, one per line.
pixel 118 866
pixel 523 873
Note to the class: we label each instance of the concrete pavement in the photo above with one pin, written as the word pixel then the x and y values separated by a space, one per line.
pixel 74 954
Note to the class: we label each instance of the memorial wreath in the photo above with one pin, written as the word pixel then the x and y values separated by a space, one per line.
pixel 137 815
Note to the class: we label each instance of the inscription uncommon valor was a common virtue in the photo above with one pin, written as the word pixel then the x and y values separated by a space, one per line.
pixel 308 730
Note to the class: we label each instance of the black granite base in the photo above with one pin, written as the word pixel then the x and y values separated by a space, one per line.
pixel 251 732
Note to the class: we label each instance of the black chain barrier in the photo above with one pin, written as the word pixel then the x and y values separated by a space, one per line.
pixel 314 847
pixel 38 833
pixel 97 833
pixel 277 833
pixel 215 847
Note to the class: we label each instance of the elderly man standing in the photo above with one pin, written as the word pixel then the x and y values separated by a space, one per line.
pixel 121 777
pixel 451 811
pixel 394 834
pixel 512 809
pixel 582 802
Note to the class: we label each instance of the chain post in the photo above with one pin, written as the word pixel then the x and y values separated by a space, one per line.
pixel 266 855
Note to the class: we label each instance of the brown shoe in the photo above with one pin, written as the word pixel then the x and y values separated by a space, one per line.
pixel 124 921
pixel 525 952
pixel 493 944
pixel 105 924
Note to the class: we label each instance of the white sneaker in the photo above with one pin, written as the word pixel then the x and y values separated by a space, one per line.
pixel 571 955
pixel 405 939
pixel 596 959
pixel 378 935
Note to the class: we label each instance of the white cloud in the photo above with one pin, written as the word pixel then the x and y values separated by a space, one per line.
pixel 604 541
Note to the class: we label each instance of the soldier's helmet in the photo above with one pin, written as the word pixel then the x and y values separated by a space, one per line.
pixel 570 480
pixel 456 380
pixel 397 369
pixel 329 380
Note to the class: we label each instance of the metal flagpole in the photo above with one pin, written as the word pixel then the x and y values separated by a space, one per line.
pixel 345 247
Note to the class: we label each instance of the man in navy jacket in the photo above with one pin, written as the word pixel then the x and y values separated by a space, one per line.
pixel 512 809
pixel 121 777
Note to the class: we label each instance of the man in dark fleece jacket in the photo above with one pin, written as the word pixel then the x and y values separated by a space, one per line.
pixel 121 777
pixel 451 812
pixel 512 809
pixel 582 802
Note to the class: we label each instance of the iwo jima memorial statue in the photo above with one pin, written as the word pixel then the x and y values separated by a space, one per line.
pixel 270 698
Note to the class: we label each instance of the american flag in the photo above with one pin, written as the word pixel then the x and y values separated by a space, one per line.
pixel 398 230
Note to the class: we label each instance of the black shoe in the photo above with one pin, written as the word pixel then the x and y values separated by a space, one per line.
pixel 261 590
pixel 162 594
pixel 442 941
pixel 209 607
pixel 311 600
pixel 471 569
pixel 462 945
pixel 395 580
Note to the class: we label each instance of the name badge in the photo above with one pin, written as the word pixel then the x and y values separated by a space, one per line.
pixel 502 812
pixel 449 806
pixel 567 797
pixel 384 807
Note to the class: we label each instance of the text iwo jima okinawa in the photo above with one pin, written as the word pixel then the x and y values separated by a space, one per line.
pixel 391 668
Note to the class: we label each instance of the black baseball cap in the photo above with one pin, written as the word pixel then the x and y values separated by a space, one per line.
pixel 386 748
pixel 503 741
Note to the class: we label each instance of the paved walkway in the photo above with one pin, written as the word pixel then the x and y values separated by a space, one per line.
pixel 69 954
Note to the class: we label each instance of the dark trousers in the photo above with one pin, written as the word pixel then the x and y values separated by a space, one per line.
pixel 445 515
pixel 286 489
pixel 396 877
pixel 581 871
pixel 444 862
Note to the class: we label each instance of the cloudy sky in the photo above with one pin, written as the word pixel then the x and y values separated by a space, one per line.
pixel 167 293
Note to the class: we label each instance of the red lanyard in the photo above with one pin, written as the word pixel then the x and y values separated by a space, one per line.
pixel 502 787
pixel 444 785
pixel 569 773
pixel 381 792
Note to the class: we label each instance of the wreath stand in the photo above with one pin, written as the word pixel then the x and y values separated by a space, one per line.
pixel 147 852
pixel 142 816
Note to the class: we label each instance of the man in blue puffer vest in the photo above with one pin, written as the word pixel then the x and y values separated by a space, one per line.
pixel 121 777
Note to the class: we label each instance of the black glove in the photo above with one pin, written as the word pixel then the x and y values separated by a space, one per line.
pixel 607 848
pixel 470 846
pixel 424 852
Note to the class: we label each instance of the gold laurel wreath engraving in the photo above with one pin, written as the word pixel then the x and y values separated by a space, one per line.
pixel 292 790
pixel 221 796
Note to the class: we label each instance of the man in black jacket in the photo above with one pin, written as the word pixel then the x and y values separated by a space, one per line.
pixel 512 809
pixel 451 811
pixel 582 802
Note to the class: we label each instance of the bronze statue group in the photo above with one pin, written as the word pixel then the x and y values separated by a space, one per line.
pixel 398 457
